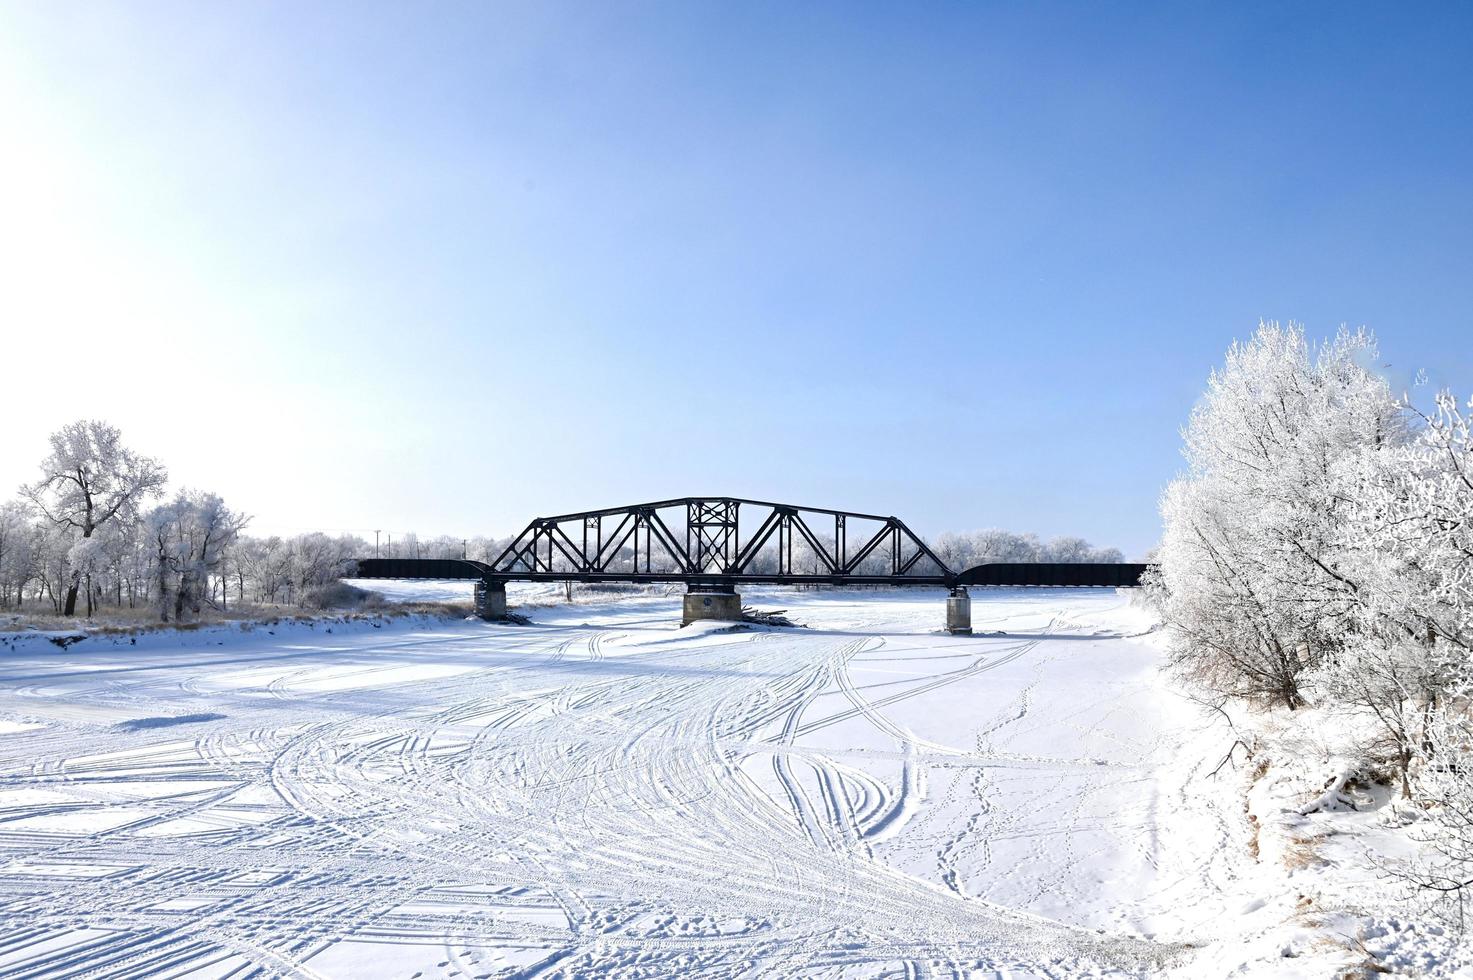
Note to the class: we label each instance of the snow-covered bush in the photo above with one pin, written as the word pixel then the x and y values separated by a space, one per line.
pixel 340 596
pixel 1445 873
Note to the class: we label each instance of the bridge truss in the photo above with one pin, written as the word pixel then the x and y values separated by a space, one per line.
pixel 721 541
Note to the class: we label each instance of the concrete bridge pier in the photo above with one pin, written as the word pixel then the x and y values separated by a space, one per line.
pixel 491 599
pixel 959 611
pixel 711 603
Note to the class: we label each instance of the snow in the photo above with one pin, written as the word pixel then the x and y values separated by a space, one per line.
pixel 421 590
pixel 604 793
pixel 1320 887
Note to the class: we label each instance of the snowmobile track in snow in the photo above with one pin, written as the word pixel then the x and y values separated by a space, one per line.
pixel 486 801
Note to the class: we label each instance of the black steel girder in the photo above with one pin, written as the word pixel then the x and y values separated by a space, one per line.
pixel 1046 573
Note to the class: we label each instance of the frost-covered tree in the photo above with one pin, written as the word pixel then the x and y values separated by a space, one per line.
pixel 15 533
pixel 51 544
pixel 17 551
pixel 1409 530
pixel 88 480
pixel 189 536
pixel 87 558
pixel 209 530
pixel 485 549
pixel 262 564
pixel 1323 537
pixel 314 560
pixel 1253 576
pixel 1068 549
pixel 1406 543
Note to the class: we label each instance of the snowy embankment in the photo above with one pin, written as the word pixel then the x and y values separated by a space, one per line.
pixel 193 636
pixel 1322 891
pixel 603 793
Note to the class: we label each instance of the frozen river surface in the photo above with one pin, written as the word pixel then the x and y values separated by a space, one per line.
pixel 601 794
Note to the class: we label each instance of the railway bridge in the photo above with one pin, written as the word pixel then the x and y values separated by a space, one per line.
pixel 716 544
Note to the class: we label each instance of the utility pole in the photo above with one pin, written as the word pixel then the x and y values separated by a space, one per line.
pixel 375 543
pixel 465 546
pixel 391 544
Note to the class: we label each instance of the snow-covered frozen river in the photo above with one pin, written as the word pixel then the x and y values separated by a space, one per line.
pixel 600 793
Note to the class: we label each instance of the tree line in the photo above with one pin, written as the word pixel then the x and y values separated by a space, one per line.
pixel 963 550
pixel 99 529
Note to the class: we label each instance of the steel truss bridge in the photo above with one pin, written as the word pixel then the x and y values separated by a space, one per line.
pixel 717 543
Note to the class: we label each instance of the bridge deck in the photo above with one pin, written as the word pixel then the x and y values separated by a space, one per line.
pixel 1079 574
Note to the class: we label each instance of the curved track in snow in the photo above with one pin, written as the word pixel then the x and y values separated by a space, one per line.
pixel 557 800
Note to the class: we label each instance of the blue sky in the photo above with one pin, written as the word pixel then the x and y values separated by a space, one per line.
pixel 446 267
